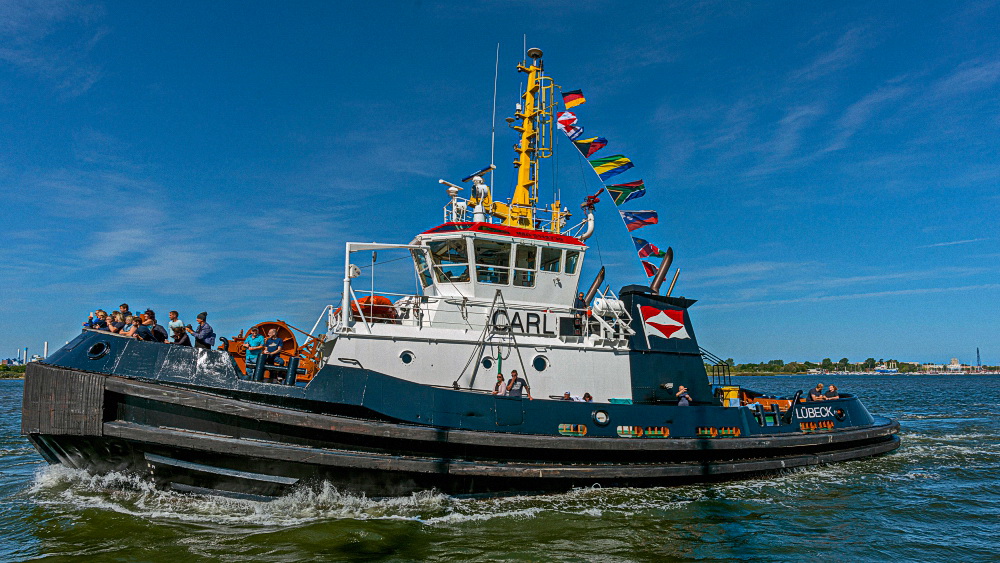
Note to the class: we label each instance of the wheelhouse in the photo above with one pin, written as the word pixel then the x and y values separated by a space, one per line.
pixel 473 260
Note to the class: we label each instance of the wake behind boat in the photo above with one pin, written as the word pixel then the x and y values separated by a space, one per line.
pixel 391 393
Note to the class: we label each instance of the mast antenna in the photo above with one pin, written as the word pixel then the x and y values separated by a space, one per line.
pixel 493 128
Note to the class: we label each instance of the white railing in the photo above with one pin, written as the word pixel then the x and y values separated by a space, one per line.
pixel 458 211
pixel 419 312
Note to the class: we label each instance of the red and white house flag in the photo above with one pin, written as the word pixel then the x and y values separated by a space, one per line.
pixel 665 323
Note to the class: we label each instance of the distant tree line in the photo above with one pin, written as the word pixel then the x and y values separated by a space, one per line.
pixel 7 372
pixel 779 366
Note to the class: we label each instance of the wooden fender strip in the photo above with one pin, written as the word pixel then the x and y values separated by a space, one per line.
pixel 260 412
pixel 385 462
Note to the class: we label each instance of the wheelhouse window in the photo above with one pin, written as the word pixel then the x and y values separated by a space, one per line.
pixel 550 260
pixel 572 257
pixel 492 261
pixel 423 271
pixel 525 261
pixel 451 260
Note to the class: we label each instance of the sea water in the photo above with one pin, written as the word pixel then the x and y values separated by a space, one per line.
pixel 936 498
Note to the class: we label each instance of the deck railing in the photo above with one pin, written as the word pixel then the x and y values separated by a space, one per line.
pixel 421 311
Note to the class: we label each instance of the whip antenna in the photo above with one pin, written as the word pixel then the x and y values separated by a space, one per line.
pixel 493 129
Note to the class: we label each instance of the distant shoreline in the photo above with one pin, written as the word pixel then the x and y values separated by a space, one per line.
pixel 837 374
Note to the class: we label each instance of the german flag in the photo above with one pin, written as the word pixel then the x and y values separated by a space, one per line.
pixel 573 98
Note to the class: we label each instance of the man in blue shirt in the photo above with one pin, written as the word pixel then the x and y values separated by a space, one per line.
pixel 516 385
pixel 254 344
pixel 204 337
pixel 272 348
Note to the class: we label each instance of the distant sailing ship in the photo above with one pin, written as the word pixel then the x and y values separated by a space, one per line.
pixel 389 394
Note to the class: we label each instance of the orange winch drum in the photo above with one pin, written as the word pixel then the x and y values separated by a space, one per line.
pixel 308 353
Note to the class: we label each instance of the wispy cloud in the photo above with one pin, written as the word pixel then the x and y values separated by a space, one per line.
pixel 845 51
pixel 789 133
pixel 27 29
pixel 968 77
pixel 747 271
pixel 952 243
pixel 858 114
pixel 788 137
pixel 848 296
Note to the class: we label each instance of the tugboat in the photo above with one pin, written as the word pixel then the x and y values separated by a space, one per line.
pixel 390 394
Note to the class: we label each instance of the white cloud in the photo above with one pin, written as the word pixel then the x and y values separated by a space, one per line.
pixel 952 243
pixel 858 114
pixel 26 32
pixel 968 77
pixel 846 50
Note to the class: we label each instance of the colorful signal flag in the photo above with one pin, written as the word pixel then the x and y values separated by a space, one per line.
pixel 591 145
pixel 647 249
pixel 621 193
pixel 611 166
pixel 638 219
pixel 565 119
pixel 650 269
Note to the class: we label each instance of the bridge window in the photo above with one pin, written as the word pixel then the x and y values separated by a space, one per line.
pixel 572 257
pixel 492 261
pixel 423 272
pixel 550 259
pixel 524 265
pixel 451 260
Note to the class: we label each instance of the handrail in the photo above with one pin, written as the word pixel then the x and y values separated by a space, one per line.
pixel 360 312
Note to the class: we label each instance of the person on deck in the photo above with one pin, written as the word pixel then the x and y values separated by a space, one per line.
pixel 272 348
pixel 115 322
pixel 588 398
pixel 683 397
pixel 156 330
pixel 181 337
pixel 500 388
pixel 175 321
pixel 579 307
pixel 204 337
pixel 567 396
pixel 254 343
pixel 832 393
pixel 123 309
pixel 97 320
pixel 130 325
pixel 516 386
pixel 142 331
pixel 816 394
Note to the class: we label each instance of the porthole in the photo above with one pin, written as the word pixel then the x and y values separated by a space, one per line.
pixel 406 357
pixel 487 363
pixel 98 350
pixel 602 418
pixel 540 363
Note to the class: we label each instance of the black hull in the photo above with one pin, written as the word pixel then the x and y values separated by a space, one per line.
pixel 193 440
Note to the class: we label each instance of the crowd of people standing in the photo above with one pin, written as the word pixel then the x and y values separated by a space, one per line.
pixel 144 326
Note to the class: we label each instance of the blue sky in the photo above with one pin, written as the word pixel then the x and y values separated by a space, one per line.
pixel 825 172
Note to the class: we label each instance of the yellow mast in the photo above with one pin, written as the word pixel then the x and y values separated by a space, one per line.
pixel 532 115
pixel 535 127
